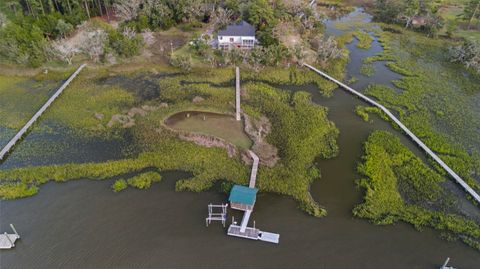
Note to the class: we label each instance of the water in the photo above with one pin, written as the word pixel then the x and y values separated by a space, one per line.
pixel 82 224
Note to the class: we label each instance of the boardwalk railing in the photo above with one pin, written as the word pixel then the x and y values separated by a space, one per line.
pixel 37 115
pixel 406 130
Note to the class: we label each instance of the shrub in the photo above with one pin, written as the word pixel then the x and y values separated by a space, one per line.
pixel 22 43
pixel 182 61
pixel 467 54
pixel 119 185
pixel 124 44
pixel 145 180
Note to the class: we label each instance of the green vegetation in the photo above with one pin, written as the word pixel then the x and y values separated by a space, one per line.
pixel 119 185
pixel 400 187
pixel 438 99
pixel 218 125
pixel 300 131
pixel 20 98
pixel 364 39
pixel 145 180
pixel 363 112
pixel 367 70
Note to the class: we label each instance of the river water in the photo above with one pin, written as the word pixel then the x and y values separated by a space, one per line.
pixel 82 224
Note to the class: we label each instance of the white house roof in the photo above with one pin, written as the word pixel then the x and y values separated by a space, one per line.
pixel 242 28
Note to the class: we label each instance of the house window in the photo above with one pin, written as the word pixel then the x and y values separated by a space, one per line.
pixel 248 42
pixel 231 39
pixel 221 37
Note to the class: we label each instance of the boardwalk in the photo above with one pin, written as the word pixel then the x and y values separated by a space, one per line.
pixel 237 93
pixel 434 156
pixel 37 115
pixel 253 175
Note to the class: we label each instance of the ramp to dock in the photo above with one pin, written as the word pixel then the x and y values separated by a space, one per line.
pixel 253 175
pixel 245 219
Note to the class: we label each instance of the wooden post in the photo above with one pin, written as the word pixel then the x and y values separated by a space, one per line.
pixel 237 93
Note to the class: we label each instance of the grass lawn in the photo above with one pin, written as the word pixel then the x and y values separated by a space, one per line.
pixel 222 126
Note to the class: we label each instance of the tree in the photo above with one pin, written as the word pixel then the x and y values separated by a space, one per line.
pixel 299 53
pixel 388 10
pixel 183 62
pixel 327 49
pixel 467 54
pixel 158 13
pixel 472 11
pixel 3 20
pixel 261 15
pixel 94 45
pixel 64 51
pixel 63 28
pixel 222 17
pixel 127 9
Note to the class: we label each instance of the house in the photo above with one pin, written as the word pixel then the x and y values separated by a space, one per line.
pixel 239 35
pixel 242 198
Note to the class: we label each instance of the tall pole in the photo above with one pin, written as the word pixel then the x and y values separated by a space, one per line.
pixel 237 93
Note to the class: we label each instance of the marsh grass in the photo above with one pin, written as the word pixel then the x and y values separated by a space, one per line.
pixel 300 130
pixel 401 187
pixel 438 102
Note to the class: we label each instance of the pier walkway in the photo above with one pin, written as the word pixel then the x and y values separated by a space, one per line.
pixel 37 115
pixel 434 156
pixel 243 230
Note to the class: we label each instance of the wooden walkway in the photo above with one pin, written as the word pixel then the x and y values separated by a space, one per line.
pixel 253 175
pixel 237 93
pixel 37 115
pixel 437 159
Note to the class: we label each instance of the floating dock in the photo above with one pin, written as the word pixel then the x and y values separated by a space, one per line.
pixel 253 234
pixel 7 241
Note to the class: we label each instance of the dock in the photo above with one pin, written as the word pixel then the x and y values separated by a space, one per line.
pixel 242 197
pixel 7 241
pixel 37 115
pixel 407 131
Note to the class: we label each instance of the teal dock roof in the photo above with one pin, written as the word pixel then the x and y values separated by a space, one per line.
pixel 243 195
